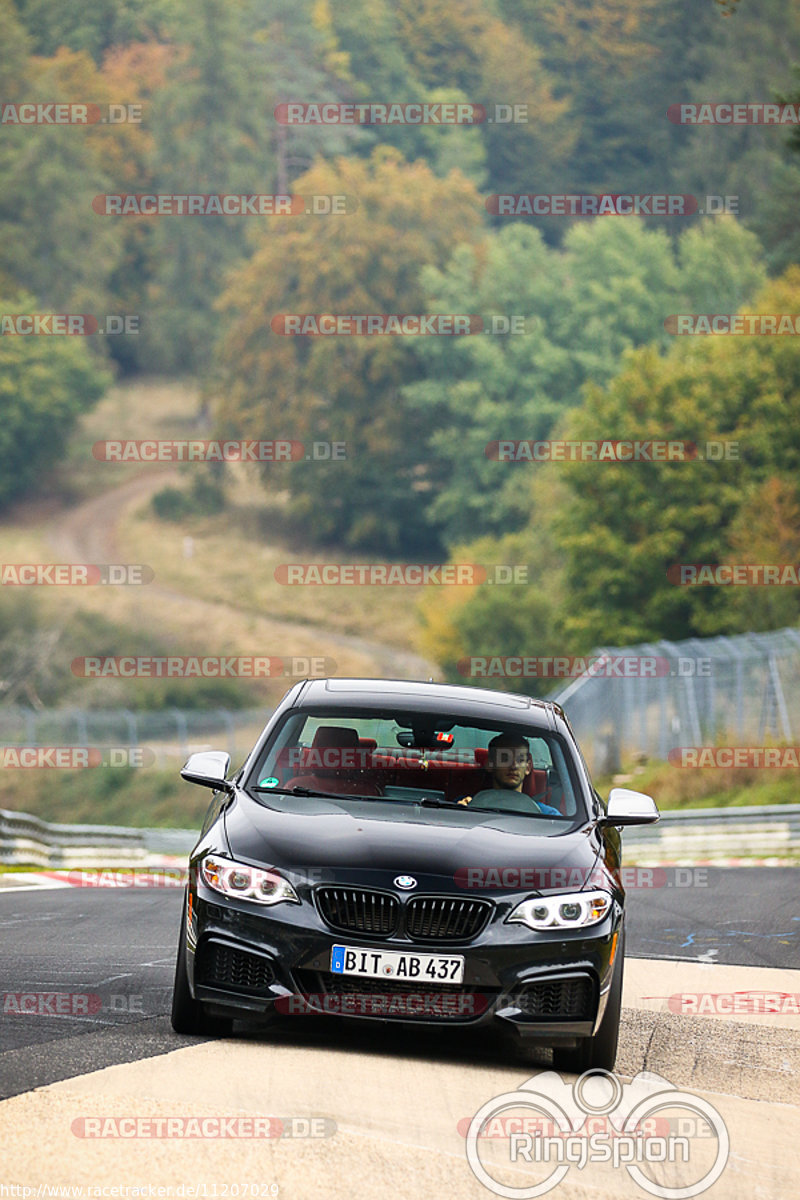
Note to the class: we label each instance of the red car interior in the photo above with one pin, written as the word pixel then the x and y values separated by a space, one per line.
pixel 339 761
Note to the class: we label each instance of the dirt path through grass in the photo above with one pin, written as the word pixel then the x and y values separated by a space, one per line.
pixel 90 533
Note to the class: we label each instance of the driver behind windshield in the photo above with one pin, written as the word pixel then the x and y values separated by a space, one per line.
pixel 509 763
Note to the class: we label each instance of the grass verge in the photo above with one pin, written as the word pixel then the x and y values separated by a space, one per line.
pixel 707 787
pixel 143 798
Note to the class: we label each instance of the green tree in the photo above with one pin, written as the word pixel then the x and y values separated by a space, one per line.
pixel 345 388
pixel 776 218
pixel 45 385
pixel 742 161
pixel 443 40
pixel 615 61
pixel 52 243
pixel 461 623
pixel 215 132
pixel 608 291
pixel 766 529
pixel 623 525
pixel 210 137
pixel 94 27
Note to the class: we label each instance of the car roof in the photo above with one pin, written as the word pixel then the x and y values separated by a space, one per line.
pixel 416 695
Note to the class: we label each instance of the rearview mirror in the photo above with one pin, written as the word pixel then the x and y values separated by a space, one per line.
pixel 629 808
pixel 209 769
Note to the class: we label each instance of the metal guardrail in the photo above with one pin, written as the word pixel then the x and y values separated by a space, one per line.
pixel 26 840
pixel 762 831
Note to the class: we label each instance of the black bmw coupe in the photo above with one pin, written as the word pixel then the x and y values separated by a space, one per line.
pixel 415 852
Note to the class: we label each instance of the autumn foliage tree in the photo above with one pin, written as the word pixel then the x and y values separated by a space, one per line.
pixel 624 525
pixel 344 388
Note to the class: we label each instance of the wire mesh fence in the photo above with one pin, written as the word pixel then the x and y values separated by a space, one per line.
pixel 170 734
pixel 699 692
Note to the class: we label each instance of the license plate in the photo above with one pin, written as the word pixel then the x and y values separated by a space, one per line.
pixel 397 965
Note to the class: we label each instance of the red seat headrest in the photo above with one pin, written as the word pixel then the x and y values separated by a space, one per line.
pixel 335 735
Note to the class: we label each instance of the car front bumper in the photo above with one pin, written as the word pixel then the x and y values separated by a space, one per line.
pixel 247 962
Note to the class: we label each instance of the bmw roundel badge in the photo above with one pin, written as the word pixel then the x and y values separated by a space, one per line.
pixel 405 881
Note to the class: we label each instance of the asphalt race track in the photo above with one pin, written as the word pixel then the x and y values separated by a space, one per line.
pixel 398 1100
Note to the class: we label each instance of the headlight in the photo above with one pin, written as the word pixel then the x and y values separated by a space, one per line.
pixel 248 883
pixel 571 911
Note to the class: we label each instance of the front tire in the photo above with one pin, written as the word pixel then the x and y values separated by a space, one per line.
pixel 600 1051
pixel 188 1015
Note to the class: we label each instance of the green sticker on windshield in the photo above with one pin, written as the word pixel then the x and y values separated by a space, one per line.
pixel 270 781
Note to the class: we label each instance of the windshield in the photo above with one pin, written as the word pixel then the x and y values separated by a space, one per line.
pixel 420 758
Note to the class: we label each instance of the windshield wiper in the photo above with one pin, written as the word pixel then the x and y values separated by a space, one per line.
pixel 304 791
pixel 505 812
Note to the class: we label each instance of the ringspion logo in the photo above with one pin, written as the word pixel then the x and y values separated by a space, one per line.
pixel 597 1119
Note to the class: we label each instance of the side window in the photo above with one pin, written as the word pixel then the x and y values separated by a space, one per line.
pixel 560 781
pixel 540 754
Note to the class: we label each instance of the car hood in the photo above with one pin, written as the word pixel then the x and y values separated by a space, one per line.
pixel 365 839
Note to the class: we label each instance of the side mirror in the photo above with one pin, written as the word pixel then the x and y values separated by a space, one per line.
pixel 629 808
pixel 209 769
